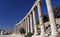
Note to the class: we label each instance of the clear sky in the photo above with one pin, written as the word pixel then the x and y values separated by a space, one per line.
pixel 12 11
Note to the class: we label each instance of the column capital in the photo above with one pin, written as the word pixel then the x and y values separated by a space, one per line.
pixel 30 15
pixel 39 1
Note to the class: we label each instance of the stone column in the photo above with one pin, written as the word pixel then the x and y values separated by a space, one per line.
pixel 24 24
pixel 21 24
pixel 28 24
pixel 1 32
pixel 34 21
pixel 19 28
pixel 16 30
pixel 40 18
pixel 51 18
pixel 31 23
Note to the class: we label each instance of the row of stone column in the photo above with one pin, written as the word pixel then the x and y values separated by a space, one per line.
pixel 29 21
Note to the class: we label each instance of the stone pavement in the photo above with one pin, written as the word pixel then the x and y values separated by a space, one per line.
pixel 6 36
pixel 12 35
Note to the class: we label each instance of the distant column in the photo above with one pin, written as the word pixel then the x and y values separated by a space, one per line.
pixel 40 18
pixel 51 18
pixel 19 28
pixel 21 24
pixel 1 32
pixel 28 24
pixel 34 21
pixel 16 29
pixel 31 23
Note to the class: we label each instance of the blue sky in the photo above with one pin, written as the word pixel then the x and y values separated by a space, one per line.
pixel 12 11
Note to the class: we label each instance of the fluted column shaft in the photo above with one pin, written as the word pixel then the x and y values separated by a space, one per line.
pixel 40 19
pixel 34 21
pixel 28 24
pixel 31 23
pixel 51 17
